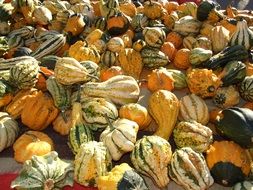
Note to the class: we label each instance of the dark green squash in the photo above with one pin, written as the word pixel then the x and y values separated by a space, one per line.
pixel 5 88
pixel 237 124
pixel 246 88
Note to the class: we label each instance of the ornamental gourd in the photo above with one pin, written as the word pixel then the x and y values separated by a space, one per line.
pixel 163 106
pixel 199 55
pixel 91 161
pixel 51 173
pixel 246 88
pixel 179 78
pixel 187 25
pixel 189 169
pixel 42 15
pixel 151 156
pixel 115 44
pixel 32 143
pixel 153 57
pixel 119 137
pixel 152 9
pixel 243 185
pixel 8 130
pixel 62 124
pixel 117 24
pixel 154 36
pixel 120 89
pixel 122 177
pixel 192 107
pixel 220 38
pixel 192 134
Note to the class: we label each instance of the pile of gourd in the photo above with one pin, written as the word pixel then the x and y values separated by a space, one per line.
pixel 80 65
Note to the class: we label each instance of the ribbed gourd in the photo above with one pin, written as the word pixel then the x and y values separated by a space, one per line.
pixel 93 70
pixel 246 88
pixel 23 75
pixel 189 169
pixel 9 130
pixel 154 36
pixel 91 161
pixel 151 156
pixel 51 173
pixel 119 137
pixel 199 55
pixel 187 25
pixel 192 134
pixel 244 185
pixel 179 77
pixel 154 58
pixel 220 38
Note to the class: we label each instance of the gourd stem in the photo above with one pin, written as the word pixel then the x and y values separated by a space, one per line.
pixel 109 122
pixel 34 137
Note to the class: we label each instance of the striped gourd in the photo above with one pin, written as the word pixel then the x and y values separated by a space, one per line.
pixel 100 23
pixel 92 68
pixel 96 109
pixel 109 58
pixel 244 185
pixel 42 15
pixel 8 130
pixel 192 107
pixel 23 75
pixel 49 46
pixel 179 77
pixel 78 135
pixel 192 134
pixel 189 169
pixel 63 16
pixel 119 89
pixel 139 21
pixel 187 25
pixel 91 161
pixel 6 64
pixel 246 89
pixel 69 71
pixel 45 35
pixel 220 38
pixel 153 58
pixel 16 41
pixel 49 61
pixel 243 35
pixel 115 44
pixel 24 32
pixel 151 156
pixel 154 36
pixel 4 75
pixel 60 93
pixel 55 6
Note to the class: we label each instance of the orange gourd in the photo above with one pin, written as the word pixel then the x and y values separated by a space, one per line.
pixel 5 100
pixel 169 49
pixel 171 6
pixel 42 77
pixel 175 38
pixel 61 125
pixel 108 73
pixel 75 24
pixel 181 59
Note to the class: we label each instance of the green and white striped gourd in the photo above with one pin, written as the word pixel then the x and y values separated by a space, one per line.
pixel 6 64
pixel 187 25
pixel 244 185
pixel 55 6
pixel 23 75
pixel 120 89
pixel 154 36
pixel 9 130
pixel 61 94
pixel 4 47
pixel 119 137
pixel 246 88
pixel 139 21
pixel 243 35
pixel 63 16
pixel 192 134
pixel 91 161
pixel 151 156
pixel 189 169
pixel 5 87
pixel 100 23
pixel 25 32
pixel 42 15
pixel 199 55
pixel 109 58
pixel 93 70
pixel 45 172
pixel 153 58
pixel 179 77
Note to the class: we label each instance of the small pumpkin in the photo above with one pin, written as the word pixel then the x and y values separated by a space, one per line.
pixel 117 24
pixel 43 74
pixel 32 143
pixel 62 124
pixel 108 73
pixel 75 24
pixel 152 9
pixel 175 38
pixel 128 8
pixel 5 99
pixel 169 49
pixel 181 59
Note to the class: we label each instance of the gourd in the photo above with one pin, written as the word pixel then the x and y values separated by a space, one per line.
pixel 42 15
pixel 9 130
pixel 242 35
pixel 5 99
pixel 202 82
pixel 93 70
pixel 227 169
pixel 246 89
pixel 179 78
pixel 91 161
pixel 139 21
pixel 62 124
pixel 202 42
pixel 43 75
pixel 175 38
pixel 117 24
pixel 163 106
pixel 151 156
pixel 153 57
pixel 130 61
pixel 226 97
pixel 115 44
pixel 120 89
pixel 154 36
pixel 109 58
pixel 243 185
pixel 119 137
pixel 220 38
pixel 199 55
pixel 189 169
pixel 122 177
pixel 236 124
pixel 51 173
pixel 137 113
pixel 23 75
pixel 187 25
pixel 152 9
pixel 182 59
pixel 192 107
pixel 39 112
pixel 75 24
pixel 32 143
pixel 110 72
pixel 5 11
pixel 169 49
pixel 192 134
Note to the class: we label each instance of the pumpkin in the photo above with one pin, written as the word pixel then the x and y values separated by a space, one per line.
pixel 32 143
pixel 220 38
pixel 189 169
pixel 122 177
pixel 91 161
pixel 243 185
pixel 248 105
pixel 43 74
pixel 17 104
pixel 227 169
pixel 245 89
pixel 236 124
pixel 169 49
pixel 213 114
pixel 206 29
pixel 192 107
pixel 152 9
pixel 9 130
pixel 51 172
pixel 171 6
pixel 199 55
pixel 163 106
pixel 175 38
pixel 249 68
pixel 39 111
pixel 75 24
pixel 150 157
pixel 160 79
pixel 131 62
pixel 62 124
pixel 181 59
pixel 108 73
pixel 192 134
pixel 119 137
pixel 128 8
pixel 137 113
pixel 154 36
pixel 117 24
pixel 115 44
pixel 203 82
pixel 170 19
pixel 226 97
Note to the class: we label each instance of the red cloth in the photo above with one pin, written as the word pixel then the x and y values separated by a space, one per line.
pixel 5 181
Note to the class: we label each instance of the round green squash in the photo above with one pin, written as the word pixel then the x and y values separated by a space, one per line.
pixel 246 88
